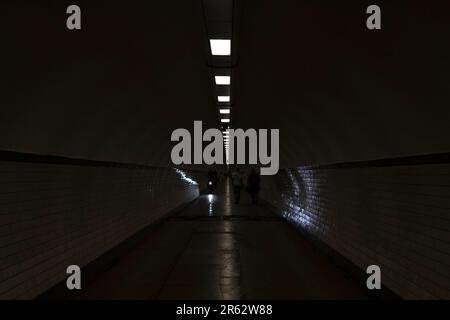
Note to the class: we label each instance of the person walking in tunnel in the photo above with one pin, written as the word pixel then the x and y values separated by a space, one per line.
pixel 253 182
pixel 237 180
pixel 215 178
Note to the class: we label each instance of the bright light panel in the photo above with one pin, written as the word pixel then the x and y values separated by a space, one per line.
pixel 225 111
pixel 225 120
pixel 222 80
pixel 223 98
pixel 220 47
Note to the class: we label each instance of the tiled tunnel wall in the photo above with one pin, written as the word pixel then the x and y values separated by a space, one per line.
pixel 53 216
pixel 396 217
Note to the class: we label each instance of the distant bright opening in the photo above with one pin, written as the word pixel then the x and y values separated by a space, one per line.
pixel 220 47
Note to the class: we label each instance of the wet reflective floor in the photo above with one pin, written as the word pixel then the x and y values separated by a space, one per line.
pixel 215 249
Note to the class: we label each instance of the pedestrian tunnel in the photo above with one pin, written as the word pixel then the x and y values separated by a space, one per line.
pixel 93 205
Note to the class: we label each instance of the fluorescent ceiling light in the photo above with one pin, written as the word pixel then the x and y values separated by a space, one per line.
pixel 220 47
pixel 225 120
pixel 225 111
pixel 222 80
pixel 223 98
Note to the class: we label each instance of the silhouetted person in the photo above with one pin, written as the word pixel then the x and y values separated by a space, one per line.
pixel 210 175
pixel 215 178
pixel 237 184
pixel 253 181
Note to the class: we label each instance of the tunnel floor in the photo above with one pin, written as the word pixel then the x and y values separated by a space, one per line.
pixel 215 249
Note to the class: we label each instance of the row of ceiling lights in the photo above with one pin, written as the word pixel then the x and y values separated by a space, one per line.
pixel 222 47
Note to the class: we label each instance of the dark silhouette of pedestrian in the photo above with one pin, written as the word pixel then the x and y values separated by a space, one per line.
pixel 238 181
pixel 253 182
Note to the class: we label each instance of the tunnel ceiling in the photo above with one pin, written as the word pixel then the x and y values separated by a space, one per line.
pixel 338 91
pixel 115 90
pixel 138 70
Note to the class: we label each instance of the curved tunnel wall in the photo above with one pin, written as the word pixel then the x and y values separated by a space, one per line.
pixel 395 217
pixel 56 215
pixel 355 96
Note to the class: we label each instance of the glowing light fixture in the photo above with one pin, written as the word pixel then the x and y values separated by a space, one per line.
pixel 223 98
pixel 222 80
pixel 220 47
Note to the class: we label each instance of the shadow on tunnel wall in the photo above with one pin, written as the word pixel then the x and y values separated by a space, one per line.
pixel 391 215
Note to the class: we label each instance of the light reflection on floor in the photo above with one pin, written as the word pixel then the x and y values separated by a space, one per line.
pixel 215 249
pixel 211 203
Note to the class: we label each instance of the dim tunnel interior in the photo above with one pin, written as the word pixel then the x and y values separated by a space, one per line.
pixel 87 178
